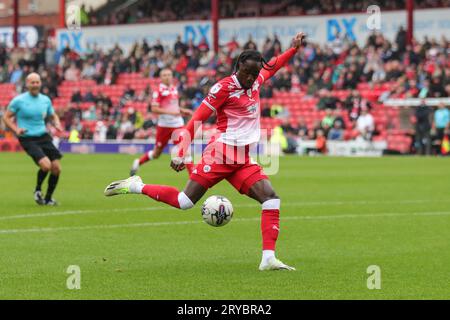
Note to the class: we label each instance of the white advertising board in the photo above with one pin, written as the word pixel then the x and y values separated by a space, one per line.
pixel 433 23
pixel 28 36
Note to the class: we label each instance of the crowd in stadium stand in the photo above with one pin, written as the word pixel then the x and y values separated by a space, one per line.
pixel 332 76
pixel 175 10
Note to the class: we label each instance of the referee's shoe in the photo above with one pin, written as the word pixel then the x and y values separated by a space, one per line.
pixel 38 197
pixel 44 202
pixel 51 202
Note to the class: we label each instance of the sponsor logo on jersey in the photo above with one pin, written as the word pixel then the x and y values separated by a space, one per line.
pixel 253 108
pixel 206 168
pixel 216 88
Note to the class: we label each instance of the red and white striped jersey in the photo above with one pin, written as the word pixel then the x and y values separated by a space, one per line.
pixel 237 109
pixel 166 97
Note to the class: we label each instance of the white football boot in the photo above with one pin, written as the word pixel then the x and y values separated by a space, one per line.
pixel 273 263
pixel 121 187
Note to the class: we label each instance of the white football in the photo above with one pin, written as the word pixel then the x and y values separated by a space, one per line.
pixel 217 211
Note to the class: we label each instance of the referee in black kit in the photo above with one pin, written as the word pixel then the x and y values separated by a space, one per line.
pixel 31 109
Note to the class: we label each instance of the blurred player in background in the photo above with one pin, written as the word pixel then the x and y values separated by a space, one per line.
pixel 235 100
pixel 165 103
pixel 31 109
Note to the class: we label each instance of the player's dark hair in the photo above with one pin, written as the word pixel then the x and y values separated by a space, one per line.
pixel 252 55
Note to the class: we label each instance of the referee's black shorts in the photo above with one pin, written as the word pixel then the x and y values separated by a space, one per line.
pixel 40 147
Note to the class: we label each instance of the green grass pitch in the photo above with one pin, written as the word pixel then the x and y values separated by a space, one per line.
pixel 339 216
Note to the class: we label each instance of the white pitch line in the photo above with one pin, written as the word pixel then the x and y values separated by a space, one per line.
pixel 166 223
pixel 71 212
pixel 246 205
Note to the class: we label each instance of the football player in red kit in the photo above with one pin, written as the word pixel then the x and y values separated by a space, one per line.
pixel 165 103
pixel 235 100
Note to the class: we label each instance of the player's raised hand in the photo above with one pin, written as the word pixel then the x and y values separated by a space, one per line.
pixel 298 40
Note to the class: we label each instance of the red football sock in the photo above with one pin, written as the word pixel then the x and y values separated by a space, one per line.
pixel 146 157
pixel 143 159
pixel 166 194
pixel 270 227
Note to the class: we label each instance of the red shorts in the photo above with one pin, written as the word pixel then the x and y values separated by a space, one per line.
pixel 224 163
pixel 163 135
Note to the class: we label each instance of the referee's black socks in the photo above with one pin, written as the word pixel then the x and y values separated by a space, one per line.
pixel 40 178
pixel 52 182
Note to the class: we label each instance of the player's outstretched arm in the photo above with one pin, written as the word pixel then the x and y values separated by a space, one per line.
pixel 278 62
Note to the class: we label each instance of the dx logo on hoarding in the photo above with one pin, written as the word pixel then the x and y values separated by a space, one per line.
pixel 346 26
pixel 71 39
pixel 196 33
pixel 340 26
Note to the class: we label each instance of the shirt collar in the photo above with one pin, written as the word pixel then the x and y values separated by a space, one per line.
pixel 236 81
